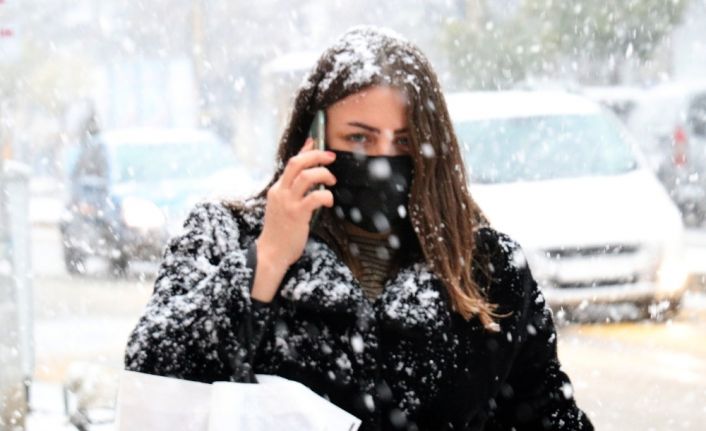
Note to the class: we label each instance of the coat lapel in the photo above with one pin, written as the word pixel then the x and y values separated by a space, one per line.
pixel 414 299
pixel 319 280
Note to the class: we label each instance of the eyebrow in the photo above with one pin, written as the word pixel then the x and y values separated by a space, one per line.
pixel 373 129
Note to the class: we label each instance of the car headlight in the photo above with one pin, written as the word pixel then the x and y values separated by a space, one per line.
pixel 142 214
pixel 672 272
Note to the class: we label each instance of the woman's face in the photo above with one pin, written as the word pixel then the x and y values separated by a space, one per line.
pixel 372 121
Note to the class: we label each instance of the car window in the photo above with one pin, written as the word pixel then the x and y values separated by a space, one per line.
pixel 543 147
pixel 697 115
pixel 171 161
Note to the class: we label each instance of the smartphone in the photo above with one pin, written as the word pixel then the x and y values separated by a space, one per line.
pixel 318 133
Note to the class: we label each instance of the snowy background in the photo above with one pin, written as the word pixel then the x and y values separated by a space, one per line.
pixel 231 68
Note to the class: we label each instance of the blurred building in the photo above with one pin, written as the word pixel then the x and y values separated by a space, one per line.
pixel 146 92
pixel 688 47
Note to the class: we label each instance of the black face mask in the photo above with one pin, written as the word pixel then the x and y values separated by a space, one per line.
pixel 372 192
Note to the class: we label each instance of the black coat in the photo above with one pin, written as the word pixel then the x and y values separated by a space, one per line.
pixel 404 361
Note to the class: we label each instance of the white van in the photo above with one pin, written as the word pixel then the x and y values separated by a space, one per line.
pixel 559 174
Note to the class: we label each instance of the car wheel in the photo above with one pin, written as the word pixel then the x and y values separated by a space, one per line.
pixel 119 266
pixel 701 217
pixel 662 310
pixel 692 218
pixel 693 214
pixel 74 261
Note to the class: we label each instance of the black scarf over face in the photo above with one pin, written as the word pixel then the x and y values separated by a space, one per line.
pixel 372 192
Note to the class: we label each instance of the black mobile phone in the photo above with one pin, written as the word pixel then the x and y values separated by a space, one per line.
pixel 318 133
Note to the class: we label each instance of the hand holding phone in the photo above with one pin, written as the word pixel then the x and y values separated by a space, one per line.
pixel 292 204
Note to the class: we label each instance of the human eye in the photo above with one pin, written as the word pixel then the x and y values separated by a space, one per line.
pixel 357 138
pixel 402 141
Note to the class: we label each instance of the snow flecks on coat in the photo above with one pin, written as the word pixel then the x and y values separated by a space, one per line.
pixel 413 300
pixel 537 366
pixel 324 279
pixel 405 360
pixel 200 293
pixel 511 248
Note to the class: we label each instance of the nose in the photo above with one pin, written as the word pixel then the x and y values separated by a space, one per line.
pixel 384 145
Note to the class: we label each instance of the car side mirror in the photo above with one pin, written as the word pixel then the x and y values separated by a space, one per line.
pixel 697 118
pixel 698 126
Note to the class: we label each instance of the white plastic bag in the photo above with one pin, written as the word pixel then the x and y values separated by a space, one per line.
pixel 153 403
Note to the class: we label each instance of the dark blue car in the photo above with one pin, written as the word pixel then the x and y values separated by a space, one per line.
pixel 131 189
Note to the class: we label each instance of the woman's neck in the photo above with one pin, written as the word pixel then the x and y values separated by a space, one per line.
pixel 352 229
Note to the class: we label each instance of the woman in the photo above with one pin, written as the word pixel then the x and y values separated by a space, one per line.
pixel 401 304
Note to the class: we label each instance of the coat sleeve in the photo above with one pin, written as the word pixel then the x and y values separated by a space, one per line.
pixel 200 323
pixel 537 394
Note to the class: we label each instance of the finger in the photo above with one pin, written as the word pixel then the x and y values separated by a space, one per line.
pixel 308 145
pixel 309 177
pixel 317 199
pixel 304 160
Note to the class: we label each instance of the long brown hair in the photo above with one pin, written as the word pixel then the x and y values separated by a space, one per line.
pixel 443 215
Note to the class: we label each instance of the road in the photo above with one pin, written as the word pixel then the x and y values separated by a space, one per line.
pixel 626 376
pixel 641 376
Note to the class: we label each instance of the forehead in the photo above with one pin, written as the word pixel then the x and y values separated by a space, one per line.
pixel 374 95
pixel 379 106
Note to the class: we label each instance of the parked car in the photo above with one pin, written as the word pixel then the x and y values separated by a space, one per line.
pixel 670 121
pixel 560 174
pixel 130 190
